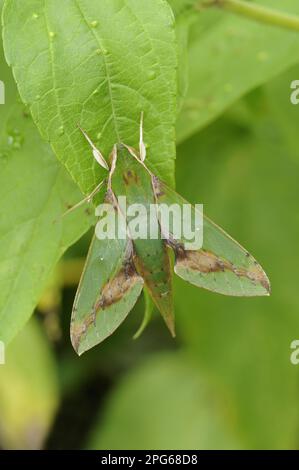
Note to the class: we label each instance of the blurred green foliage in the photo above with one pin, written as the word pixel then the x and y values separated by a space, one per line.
pixel 227 380
pixel 228 56
pixel 167 404
pixel 29 393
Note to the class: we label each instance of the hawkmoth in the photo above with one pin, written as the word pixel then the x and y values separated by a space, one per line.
pixel 117 270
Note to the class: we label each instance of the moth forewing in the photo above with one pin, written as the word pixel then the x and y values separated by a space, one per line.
pixel 108 290
pixel 221 265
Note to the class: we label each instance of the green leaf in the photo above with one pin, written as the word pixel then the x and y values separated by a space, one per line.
pixel 183 24
pixel 166 404
pixel 284 113
pixel 34 191
pixel 28 390
pixel 179 7
pixel 99 64
pixel 229 57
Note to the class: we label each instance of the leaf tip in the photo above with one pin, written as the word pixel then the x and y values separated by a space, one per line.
pixel 75 335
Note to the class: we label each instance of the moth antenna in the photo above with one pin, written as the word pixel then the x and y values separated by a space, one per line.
pixel 142 149
pixel 96 153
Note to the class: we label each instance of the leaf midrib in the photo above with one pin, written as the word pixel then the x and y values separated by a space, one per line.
pixel 90 29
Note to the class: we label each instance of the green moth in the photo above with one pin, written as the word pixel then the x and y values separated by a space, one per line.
pixel 117 270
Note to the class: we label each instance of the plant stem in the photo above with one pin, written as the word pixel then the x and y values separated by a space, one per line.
pixel 254 11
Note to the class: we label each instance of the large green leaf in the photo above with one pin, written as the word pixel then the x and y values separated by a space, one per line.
pixel 229 55
pixel 166 404
pixel 28 391
pixel 34 191
pixel 99 64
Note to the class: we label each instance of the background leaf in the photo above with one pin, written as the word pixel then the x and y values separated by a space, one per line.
pixel 100 64
pixel 228 56
pixel 166 406
pixel 28 391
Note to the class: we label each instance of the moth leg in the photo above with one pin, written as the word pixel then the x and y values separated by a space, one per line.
pixel 142 149
pixel 86 199
pixel 96 152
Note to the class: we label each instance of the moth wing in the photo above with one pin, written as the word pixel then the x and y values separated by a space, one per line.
pixel 221 265
pixel 107 292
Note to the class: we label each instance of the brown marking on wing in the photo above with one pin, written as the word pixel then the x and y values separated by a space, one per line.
pixel 77 331
pixel 130 177
pixel 117 287
pixel 207 262
pixel 112 292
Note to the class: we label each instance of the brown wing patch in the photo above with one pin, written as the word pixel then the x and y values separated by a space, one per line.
pixel 130 177
pixel 207 262
pixel 117 287
pixel 112 292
